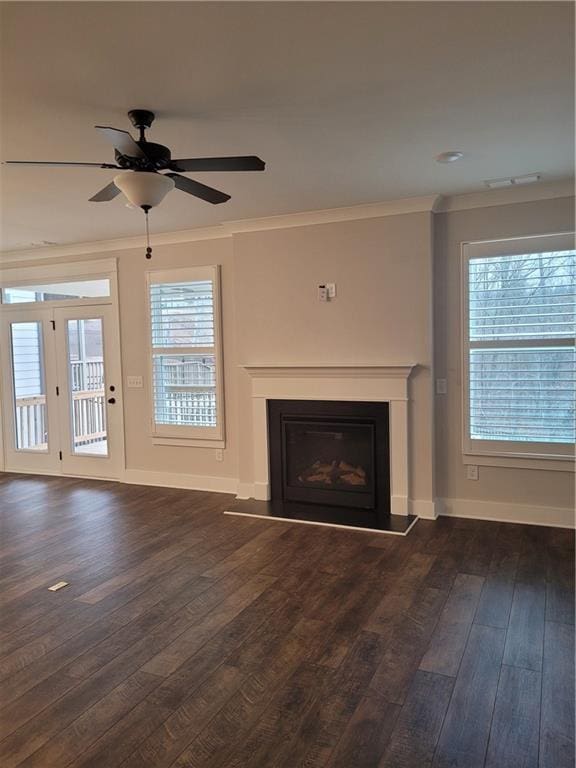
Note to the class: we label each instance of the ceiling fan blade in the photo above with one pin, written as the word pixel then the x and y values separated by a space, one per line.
pixel 198 190
pixel 246 163
pixel 121 140
pixel 58 164
pixel 108 192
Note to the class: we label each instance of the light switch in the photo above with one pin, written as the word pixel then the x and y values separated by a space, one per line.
pixel 331 290
pixel 134 382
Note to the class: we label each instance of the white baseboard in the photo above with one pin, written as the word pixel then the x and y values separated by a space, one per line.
pixel 426 510
pixel 503 512
pixel 497 511
pixel 175 480
pixel 399 505
pixel 245 491
pixel 262 491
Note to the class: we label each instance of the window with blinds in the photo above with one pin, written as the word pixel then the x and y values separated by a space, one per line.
pixel 185 353
pixel 520 355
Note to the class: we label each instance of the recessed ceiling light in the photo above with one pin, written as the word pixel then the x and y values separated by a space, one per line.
pixel 449 157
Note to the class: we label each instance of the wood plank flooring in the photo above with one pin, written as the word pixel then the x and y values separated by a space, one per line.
pixel 191 639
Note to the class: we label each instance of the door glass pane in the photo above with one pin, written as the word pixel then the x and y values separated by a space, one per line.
pixel 86 386
pixel 31 424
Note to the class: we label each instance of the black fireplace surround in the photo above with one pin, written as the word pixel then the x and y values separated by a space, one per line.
pixel 330 460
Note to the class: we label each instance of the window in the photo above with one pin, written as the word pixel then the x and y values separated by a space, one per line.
pixel 519 356
pixel 81 289
pixel 185 339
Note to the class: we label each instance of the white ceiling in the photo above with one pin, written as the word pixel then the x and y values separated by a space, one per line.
pixel 348 103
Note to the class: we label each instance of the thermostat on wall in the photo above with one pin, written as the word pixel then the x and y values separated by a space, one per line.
pixel 326 291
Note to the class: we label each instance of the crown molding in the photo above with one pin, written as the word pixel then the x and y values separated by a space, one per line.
pixel 227 229
pixel 426 203
pixel 508 196
pixel 119 244
pixel 331 215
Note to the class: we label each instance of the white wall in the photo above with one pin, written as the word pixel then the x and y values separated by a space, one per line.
pixel 391 288
pixel 382 312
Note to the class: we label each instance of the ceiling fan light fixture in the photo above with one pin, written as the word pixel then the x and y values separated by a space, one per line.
pixel 144 189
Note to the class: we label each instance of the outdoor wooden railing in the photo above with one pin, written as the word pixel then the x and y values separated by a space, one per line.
pixel 31 422
pixel 88 412
pixel 89 416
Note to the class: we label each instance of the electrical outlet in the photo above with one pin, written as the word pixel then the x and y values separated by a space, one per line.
pixel 472 471
pixel 322 293
pixel 441 386
pixel 219 453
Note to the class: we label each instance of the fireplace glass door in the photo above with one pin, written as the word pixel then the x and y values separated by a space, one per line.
pixel 330 462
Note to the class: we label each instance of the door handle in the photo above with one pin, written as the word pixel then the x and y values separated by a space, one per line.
pixel 111 400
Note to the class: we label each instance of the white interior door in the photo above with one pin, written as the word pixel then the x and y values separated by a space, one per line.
pixel 29 387
pixel 90 405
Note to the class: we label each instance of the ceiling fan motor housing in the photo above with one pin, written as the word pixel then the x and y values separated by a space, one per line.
pixel 157 158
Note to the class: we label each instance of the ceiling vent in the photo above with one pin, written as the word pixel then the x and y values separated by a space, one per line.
pixel 513 181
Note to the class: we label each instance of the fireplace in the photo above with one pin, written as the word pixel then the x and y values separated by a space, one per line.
pixel 331 454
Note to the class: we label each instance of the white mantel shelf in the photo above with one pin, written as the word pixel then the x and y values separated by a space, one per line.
pixel 368 382
pixel 373 370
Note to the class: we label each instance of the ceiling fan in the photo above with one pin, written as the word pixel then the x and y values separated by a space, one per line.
pixel 142 162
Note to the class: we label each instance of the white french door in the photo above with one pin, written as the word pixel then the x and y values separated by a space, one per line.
pixel 62 406
pixel 29 399
pixel 89 400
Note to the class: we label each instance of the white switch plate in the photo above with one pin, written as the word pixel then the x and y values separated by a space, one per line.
pixel 331 290
pixel 472 471
pixel 219 453
pixel 134 382
pixel 441 386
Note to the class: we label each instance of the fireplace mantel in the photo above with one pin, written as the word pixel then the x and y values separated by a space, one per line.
pixel 374 382
pixel 392 370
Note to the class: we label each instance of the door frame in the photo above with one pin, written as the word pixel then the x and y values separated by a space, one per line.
pixel 14 275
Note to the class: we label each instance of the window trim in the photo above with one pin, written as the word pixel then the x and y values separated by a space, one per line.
pixel 170 434
pixel 558 456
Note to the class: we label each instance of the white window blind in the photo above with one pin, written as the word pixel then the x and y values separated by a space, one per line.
pixel 519 356
pixel 185 353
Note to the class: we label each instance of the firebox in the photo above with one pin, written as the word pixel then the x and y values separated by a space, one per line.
pixel 333 454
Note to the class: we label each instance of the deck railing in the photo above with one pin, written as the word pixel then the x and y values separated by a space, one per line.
pixel 31 423
pixel 87 375
pixel 88 418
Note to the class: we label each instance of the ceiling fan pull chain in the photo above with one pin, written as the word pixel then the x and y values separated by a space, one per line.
pixel 148 246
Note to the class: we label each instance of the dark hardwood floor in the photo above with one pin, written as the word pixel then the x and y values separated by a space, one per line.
pixel 193 639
